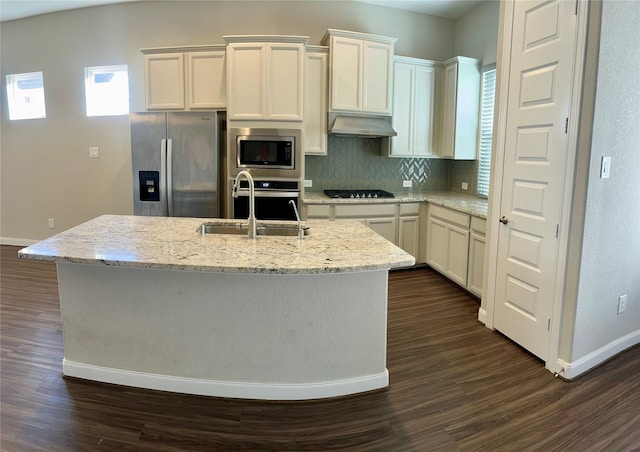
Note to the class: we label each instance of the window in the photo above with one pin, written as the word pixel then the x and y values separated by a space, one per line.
pixel 107 90
pixel 25 94
pixel 486 128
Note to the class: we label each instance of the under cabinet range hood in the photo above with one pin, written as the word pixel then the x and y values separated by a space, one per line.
pixel 360 125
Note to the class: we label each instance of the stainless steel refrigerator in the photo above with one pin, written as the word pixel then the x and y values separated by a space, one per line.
pixel 176 163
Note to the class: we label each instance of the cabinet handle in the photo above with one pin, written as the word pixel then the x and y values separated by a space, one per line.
pixel 504 220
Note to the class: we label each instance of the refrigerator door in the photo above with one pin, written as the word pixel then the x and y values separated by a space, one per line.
pixel 192 164
pixel 148 162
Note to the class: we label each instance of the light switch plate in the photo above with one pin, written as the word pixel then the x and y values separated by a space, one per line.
pixel 308 183
pixel 94 152
pixel 465 186
pixel 407 183
pixel 605 167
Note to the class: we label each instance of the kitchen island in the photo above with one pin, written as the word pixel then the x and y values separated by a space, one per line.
pixel 152 303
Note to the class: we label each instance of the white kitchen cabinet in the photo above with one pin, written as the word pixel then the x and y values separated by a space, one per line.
pixel 207 80
pixel 185 78
pixel 164 81
pixel 448 242
pixel 379 217
pixel 266 79
pixel 414 83
pixel 409 228
pixel 397 222
pixel 315 100
pixel 361 72
pixel 476 256
pixel 460 108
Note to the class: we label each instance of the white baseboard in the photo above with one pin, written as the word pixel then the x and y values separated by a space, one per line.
pixel 482 316
pixel 231 389
pixel 571 370
pixel 16 241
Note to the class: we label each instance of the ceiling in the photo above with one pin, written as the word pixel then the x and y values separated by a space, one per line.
pixel 18 9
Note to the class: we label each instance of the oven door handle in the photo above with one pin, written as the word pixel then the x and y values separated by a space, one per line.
pixel 270 194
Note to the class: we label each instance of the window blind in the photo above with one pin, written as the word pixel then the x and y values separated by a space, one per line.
pixel 486 128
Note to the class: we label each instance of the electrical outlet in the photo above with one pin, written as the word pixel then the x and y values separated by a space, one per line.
pixel 308 183
pixel 622 303
pixel 52 224
pixel 407 183
pixel 94 152
pixel 465 186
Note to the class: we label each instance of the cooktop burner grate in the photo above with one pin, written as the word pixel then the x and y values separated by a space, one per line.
pixel 358 194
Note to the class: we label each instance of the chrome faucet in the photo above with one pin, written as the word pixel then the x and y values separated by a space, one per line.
pixel 295 210
pixel 251 225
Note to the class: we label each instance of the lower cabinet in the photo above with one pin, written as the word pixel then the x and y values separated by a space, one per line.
pixel 398 223
pixel 455 246
pixel 476 255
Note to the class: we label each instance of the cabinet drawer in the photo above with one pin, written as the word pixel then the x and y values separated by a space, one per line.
pixel 479 225
pixel 410 209
pixel 449 215
pixel 365 210
pixel 318 211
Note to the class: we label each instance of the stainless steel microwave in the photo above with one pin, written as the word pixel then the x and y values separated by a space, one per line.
pixel 266 152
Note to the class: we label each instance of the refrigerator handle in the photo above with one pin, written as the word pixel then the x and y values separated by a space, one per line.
pixel 170 176
pixel 163 175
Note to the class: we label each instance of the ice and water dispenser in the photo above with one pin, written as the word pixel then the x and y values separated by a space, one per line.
pixel 149 185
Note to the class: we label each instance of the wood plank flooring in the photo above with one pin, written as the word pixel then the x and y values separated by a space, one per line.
pixel 455 385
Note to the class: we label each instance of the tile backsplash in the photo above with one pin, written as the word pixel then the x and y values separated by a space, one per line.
pixel 358 163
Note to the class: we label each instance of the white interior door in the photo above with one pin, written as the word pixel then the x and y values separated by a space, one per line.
pixel 535 145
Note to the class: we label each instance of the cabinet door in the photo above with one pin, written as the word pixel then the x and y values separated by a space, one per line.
pixel 386 227
pixel 346 74
pixel 285 81
pixel 476 264
pixel 403 108
pixel 246 81
pixel 449 110
pixel 423 111
pixel 206 80
pixel 409 234
pixel 164 81
pixel 458 254
pixel 377 75
pixel 315 100
pixel 437 244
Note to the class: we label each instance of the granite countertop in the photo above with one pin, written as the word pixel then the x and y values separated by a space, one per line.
pixel 173 244
pixel 463 203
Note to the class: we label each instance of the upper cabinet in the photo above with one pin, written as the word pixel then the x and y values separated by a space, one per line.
pixel 360 74
pixel 185 78
pixel 266 77
pixel 460 108
pixel 315 100
pixel 414 94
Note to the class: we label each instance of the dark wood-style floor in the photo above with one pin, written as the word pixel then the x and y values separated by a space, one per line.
pixel 455 385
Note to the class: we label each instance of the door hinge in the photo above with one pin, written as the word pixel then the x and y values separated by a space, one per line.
pixel 548 323
pixel 576 11
pixel 566 125
pixel 557 230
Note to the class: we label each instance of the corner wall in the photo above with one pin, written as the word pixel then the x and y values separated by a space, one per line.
pixel 604 252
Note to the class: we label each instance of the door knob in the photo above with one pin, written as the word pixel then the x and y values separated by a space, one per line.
pixel 504 220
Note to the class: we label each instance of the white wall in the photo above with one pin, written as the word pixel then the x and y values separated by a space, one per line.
pixel 604 253
pixel 476 33
pixel 45 169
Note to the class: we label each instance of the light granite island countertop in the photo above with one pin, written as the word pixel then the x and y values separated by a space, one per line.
pixel 151 303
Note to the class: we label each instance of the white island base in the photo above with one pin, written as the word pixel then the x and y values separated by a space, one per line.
pixel 239 335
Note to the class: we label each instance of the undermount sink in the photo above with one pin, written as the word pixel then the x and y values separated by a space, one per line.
pixel 239 229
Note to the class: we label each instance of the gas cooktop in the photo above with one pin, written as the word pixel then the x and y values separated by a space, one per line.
pixel 358 194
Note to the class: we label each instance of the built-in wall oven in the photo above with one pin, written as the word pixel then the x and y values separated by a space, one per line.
pixel 274 159
pixel 272 198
